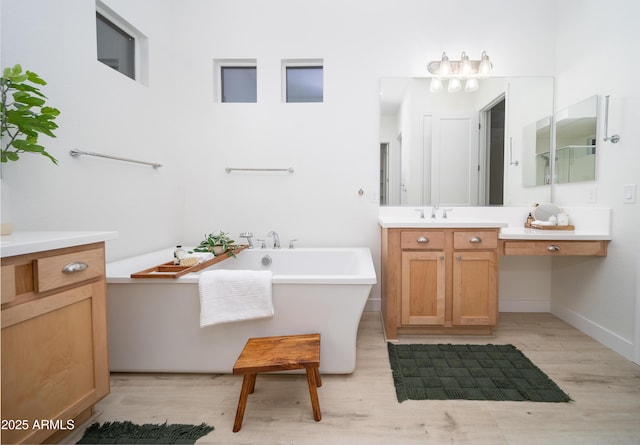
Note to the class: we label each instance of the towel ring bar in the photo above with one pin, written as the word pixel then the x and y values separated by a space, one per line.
pixel 614 138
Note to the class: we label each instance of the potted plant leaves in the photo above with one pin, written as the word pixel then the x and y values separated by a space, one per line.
pixel 24 115
pixel 217 244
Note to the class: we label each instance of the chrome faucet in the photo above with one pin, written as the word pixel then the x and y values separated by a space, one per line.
pixel 276 239
pixel 248 236
pixel 434 209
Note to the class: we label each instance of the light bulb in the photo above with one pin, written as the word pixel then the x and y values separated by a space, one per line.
pixel 445 65
pixel 471 84
pixel 465 65
pixel 454 85
pixel 485 64
pixel 436 85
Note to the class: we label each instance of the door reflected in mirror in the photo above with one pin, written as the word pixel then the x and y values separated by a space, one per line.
pixel 458 148
pixel 575 152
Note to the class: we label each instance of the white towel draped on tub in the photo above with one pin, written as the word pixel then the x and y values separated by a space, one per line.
pixel 234 295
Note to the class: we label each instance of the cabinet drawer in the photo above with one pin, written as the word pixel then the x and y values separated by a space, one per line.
pixel 62 270
pixel 555 248
pixel 424 240
pixel 475 240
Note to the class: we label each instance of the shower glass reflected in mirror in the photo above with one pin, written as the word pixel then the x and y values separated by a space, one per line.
pixel 536 153
pixel 575 149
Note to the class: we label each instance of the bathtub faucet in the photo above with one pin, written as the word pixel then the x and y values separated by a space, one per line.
pixel 248 236
pixel 276 239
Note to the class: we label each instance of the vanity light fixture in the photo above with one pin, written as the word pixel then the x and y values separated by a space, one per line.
pixel 458 70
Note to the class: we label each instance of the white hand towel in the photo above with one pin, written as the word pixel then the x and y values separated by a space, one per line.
pixel 234 295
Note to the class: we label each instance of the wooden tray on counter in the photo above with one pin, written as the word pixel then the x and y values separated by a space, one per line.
pixel 535 226
pixel 170 270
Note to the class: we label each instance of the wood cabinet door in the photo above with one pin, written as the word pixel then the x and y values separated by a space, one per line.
pixel 423 288
pixel 475 289
pixel 54 360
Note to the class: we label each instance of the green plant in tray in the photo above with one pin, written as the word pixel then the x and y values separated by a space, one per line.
pixel 217 244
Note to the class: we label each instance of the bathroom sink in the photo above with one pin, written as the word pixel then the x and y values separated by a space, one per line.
pixel 452 222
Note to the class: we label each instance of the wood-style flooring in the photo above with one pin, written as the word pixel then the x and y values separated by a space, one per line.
pixel 362 408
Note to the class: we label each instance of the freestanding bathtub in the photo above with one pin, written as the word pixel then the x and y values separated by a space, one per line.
pixel 154 323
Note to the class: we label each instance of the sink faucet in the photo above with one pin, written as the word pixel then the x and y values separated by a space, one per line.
pixel 276 239
pixel 421 213
pixel 434 209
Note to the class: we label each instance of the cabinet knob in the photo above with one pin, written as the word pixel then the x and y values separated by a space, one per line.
pixel 553 248
pixel 459 258
pixel 423 239
pixel 441 257
pixel 77 266
pixel 475 240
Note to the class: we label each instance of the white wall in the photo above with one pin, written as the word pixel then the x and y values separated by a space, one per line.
pixel 101 111
pixel 599 294
pixel 333 146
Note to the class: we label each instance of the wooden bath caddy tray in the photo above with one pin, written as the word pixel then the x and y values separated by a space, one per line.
pixel 535 226
pixel 170 270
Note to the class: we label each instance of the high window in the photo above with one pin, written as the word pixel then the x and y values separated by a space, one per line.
pixel 236 80
pixel 303 81
pixel 239 83
pixel 120 45
pixel 116 48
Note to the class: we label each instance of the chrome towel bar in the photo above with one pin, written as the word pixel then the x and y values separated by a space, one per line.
pixel 288 170
pixel 76 153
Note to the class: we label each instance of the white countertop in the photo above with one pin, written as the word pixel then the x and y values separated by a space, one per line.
pixel 592 223
pixel 523 233
pixel 427 223
pixel 20 243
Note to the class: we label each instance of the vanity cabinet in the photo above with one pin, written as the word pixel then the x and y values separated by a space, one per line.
pixel 439 280
pixel 54 341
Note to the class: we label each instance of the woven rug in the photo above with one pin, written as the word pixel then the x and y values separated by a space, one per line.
pixel 130 433
pixel 470 372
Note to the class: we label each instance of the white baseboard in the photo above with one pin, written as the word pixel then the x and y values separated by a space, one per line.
pixel 610 339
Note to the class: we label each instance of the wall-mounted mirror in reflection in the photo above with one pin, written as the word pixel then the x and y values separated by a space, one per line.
pixel 575 148
pixel 461 148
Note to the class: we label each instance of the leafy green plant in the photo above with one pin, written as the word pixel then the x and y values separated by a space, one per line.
pixel 221 239
pixel 24 114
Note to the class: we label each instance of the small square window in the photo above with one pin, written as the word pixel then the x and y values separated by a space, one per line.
pixel 304 83
pixel 116 48
pixel 238 84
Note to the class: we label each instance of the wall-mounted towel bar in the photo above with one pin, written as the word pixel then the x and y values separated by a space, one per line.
pixel 614 138
pixel 231 169
pixel 77 153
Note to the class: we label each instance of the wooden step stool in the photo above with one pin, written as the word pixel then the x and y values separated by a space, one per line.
pixel 282 353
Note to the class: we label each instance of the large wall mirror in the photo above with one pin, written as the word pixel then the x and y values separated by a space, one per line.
pixel 463 148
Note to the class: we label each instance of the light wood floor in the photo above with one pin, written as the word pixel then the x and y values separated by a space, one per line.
pixel 362 408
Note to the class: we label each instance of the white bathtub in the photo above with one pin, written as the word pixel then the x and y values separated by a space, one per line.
pixel 154 323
